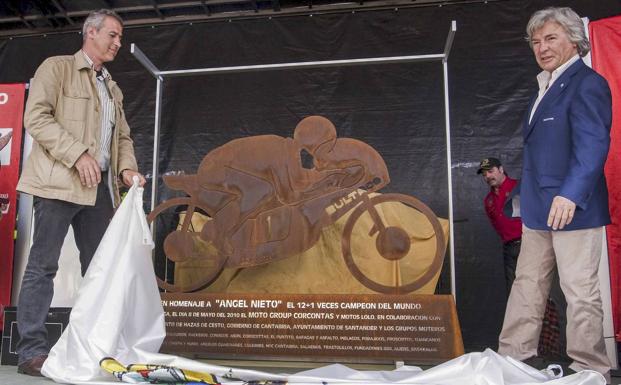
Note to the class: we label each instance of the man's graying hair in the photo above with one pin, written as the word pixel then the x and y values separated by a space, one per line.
pixel 95 19
pixel 566 18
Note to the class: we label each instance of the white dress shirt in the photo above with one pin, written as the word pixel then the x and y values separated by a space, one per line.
pixel 545 80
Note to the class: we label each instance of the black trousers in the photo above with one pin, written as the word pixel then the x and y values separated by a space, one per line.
pixel 510 253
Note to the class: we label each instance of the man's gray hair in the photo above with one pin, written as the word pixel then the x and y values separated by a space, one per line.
pixel 96 18
pixel 566 18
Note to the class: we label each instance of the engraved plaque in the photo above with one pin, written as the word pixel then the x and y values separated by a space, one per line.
pixel 353 328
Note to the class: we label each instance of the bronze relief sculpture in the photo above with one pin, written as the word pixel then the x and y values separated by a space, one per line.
pixel 266 204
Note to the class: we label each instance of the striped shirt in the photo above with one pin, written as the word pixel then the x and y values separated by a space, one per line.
pixel 108 117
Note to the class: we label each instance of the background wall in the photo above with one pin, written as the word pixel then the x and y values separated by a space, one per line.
pixel 396 108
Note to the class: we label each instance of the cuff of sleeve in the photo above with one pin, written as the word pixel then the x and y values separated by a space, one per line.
pixel 580 202
pixel 71 156
pixel 127 165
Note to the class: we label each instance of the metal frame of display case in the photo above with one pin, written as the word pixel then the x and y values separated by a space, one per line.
pixel 443 57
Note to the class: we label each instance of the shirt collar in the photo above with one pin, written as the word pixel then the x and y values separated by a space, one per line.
pixel 502 186
pixel 104 71
pixel 545 78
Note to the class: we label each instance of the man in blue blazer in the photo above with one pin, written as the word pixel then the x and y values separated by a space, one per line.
pixel 564 199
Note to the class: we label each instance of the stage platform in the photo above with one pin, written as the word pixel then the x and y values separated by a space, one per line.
pixel 9 376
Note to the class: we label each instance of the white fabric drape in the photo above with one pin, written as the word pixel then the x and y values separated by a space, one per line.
pixel 118 311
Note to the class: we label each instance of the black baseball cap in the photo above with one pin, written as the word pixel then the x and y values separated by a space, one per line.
pixel 488 164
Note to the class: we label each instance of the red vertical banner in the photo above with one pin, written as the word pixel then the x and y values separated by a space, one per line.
pixel 11 112
pixel 606 51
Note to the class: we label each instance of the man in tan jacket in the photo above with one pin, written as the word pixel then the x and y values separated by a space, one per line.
pixel 82 147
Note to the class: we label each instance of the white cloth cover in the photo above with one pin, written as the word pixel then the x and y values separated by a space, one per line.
pixel 68 277
pixel 117 311
pixel 118 314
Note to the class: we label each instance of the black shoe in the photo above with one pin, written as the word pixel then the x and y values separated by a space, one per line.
pixel 535 362
pixel 32 367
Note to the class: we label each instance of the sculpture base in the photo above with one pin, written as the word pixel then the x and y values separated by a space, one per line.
pixel 344 328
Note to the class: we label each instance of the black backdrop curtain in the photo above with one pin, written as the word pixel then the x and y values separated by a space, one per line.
pixel 396 108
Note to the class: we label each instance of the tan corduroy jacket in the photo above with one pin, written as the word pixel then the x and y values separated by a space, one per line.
pixel 63 116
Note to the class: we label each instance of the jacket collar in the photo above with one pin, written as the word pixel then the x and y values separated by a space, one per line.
pixel 80 61
pixel 83 62
pixel 558 87
pixel 546 78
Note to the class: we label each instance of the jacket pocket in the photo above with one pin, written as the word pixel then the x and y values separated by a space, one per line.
pixel 549 181
pixel 62 178
pixel 75 105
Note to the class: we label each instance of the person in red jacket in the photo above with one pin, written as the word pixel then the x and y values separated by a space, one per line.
pixel 502 209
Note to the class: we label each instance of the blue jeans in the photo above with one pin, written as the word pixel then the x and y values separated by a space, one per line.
pixel 52 220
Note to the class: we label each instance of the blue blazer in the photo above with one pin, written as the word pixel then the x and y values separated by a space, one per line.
pixel 565 148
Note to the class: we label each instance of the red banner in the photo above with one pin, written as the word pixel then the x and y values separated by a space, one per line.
pixel 606 50
pixel 11 112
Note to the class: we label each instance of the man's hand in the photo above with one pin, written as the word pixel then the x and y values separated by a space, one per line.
pixel 128 177
pixel 561 212
pixel 88 168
